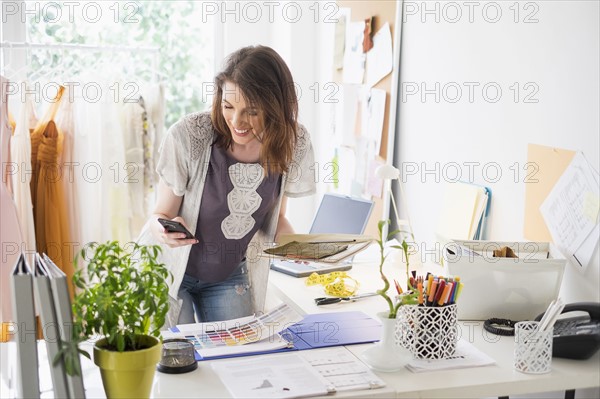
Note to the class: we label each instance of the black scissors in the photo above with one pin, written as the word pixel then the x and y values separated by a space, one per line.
pixel 329 300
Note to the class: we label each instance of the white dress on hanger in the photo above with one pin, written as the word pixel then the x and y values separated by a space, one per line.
pixel 10 232
pixel 20 151
pixel 133 129
pixel 102 175
pixel 66 125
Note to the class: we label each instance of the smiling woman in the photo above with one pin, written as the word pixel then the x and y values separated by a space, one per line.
pixel 225 175
pixel 256 91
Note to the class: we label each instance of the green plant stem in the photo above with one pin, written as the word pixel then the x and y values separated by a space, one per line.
pixel 386 283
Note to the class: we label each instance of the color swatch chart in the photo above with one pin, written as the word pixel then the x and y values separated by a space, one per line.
pixel 257 329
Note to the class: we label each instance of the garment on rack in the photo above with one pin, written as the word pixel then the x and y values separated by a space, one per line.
pixel 66 125
pixel 148 146
pixel 20 151
pixel 36 139
pixel 134 156
pixel 10 233
pixel 155 104
pixel 103 175
pixel 12 123
pixel 139 141
pixel 51 223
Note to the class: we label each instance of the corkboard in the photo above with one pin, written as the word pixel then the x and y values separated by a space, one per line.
pixel 383 11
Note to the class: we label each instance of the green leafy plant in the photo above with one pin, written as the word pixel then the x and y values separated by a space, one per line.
pixel 123 294
pixel 411 297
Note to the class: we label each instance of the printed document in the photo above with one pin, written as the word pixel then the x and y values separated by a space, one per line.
pixel 571 211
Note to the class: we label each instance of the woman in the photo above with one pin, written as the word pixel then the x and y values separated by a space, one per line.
pixel 225 175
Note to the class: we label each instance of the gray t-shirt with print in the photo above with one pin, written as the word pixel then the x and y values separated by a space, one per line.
pixel 236 200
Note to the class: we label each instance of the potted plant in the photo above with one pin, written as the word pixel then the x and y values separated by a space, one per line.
pixel 123 298
pixel 411 296
pixel 387 355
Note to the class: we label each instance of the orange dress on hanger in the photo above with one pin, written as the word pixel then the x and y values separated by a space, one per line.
pixel 36 138
pixel 50 212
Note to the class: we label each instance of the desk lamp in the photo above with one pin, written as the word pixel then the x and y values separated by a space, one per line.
pixel 387 173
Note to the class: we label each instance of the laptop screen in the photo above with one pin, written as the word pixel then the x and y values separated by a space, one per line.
pixel 341 214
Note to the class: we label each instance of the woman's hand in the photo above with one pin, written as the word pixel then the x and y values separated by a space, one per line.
pixel 175 239
pixel 167 206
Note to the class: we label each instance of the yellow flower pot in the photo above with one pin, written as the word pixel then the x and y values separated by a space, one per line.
pixel 128 374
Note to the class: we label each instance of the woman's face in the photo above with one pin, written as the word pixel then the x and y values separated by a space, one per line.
pixel 245 120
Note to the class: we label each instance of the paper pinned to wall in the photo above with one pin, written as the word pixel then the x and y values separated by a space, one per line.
pixel 543 168
pixel 571 211
pixel 347 162
pixel 374 184
pixel 354 58
pixel 346 115
pixel 380 59
pixel 343 17
pixel 373 106
pixel 364 152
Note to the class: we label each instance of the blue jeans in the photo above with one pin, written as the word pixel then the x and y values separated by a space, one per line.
pixel 226 300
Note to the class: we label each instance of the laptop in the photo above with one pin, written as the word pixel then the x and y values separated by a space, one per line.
pixel 337 214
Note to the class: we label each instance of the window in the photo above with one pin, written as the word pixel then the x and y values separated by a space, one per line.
pixel 185 57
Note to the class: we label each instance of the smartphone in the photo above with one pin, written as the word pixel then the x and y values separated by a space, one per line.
pixel 173 226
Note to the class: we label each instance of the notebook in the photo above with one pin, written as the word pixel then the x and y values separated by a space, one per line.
pixel 464 212
pixel 337 214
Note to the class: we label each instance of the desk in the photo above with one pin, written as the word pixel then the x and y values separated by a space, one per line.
pixel 490 381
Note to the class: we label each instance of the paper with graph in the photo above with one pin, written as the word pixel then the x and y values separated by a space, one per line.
pixel 571 211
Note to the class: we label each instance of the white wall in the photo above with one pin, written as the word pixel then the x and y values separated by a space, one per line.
pixel 558 54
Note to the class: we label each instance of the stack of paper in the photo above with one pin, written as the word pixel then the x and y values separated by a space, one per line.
pixel 466 355
pixel 312 373
pixel 464 211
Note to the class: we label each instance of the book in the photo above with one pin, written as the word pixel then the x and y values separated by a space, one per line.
pixel 50 326
pixel 464 212
pixel 64 318
pixel 327 248
pixel 28 383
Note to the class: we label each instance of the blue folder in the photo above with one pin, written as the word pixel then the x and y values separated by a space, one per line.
pixel 321 330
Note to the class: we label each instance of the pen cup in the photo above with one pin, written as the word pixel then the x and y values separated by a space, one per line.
pixel 533 349
pixel 428 332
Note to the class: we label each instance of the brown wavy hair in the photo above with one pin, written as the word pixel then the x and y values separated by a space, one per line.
pixel 265 82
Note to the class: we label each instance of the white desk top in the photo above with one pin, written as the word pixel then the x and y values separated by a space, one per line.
pixel 496 380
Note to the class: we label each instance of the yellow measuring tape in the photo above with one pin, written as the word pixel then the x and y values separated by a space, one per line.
pixel 337 284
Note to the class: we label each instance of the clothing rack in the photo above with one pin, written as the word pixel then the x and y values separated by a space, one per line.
pixel 9 45
pixel 76 46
